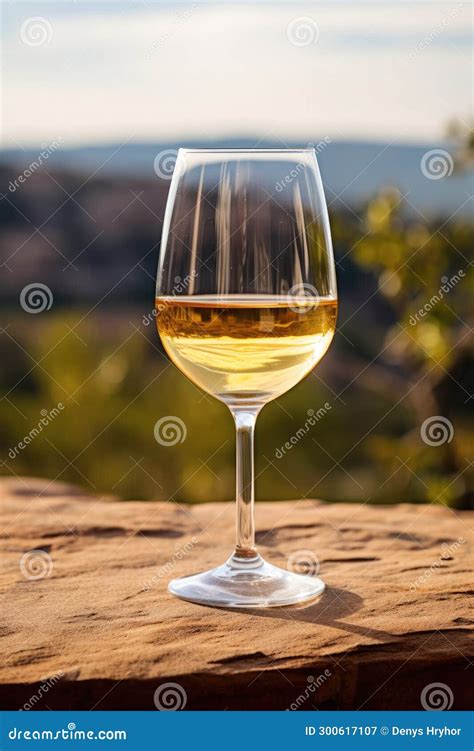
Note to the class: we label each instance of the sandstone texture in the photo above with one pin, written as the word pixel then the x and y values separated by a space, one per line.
pixel 87 623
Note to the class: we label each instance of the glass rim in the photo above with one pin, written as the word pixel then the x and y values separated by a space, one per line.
pixel 307 149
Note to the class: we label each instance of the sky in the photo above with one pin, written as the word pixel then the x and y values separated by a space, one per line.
pixel 144 70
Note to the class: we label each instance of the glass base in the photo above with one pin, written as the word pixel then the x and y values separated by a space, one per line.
pixel 247 583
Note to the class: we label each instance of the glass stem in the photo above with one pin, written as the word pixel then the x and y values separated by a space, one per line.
pixel 244 487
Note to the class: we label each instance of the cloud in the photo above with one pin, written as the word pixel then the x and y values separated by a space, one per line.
pixel 207 70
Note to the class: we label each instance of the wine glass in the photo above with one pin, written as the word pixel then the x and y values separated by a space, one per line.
pixel 246 307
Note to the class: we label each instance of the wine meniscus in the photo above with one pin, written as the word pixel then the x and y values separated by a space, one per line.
pixel 246 349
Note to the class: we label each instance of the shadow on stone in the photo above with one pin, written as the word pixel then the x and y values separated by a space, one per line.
pixel 332 606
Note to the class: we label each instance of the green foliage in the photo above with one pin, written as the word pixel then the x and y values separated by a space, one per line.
pixel 423 271
pixel 389 369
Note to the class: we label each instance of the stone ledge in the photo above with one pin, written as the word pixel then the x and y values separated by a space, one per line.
pixel 392 620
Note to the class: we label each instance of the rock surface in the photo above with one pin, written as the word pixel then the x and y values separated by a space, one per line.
pixel 88 623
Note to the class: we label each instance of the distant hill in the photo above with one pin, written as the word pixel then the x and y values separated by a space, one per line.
pixel 352 171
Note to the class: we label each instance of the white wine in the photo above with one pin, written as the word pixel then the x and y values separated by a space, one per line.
pixel 246 349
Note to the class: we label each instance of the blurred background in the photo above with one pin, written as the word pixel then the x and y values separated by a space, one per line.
pixel 96 98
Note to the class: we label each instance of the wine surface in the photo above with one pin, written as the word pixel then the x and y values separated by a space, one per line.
pixel 245 349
